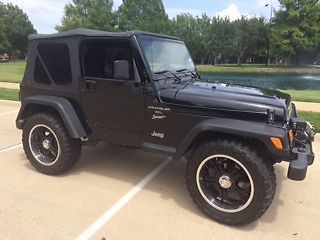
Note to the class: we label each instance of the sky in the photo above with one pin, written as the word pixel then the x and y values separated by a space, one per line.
pixel 46 14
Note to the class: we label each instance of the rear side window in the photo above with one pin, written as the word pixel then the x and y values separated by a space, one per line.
pixel 40 74
pixel 56 60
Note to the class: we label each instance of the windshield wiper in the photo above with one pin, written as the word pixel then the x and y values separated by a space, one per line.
pixel 189 71
pixel 176 77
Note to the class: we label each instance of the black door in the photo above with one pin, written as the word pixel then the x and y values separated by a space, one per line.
pixel 110 103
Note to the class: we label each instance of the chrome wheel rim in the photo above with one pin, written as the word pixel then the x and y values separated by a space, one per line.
pixel 225 183
pixel 44 145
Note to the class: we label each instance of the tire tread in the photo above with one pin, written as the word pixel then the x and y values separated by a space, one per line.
pixel 70 148
pixel 267 173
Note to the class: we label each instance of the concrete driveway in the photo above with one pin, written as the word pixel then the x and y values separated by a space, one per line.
pixel 119 193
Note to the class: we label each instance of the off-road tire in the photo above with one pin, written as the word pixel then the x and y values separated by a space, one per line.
pixel 261 171
pixel 70 148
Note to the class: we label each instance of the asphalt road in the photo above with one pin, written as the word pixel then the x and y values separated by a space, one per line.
pixel 119 193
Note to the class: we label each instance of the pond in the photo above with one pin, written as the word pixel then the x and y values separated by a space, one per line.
pixel 274 81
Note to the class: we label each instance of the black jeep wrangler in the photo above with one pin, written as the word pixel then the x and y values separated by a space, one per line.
pixel 142 90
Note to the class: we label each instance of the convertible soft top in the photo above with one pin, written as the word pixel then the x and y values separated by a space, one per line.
pixel 95 33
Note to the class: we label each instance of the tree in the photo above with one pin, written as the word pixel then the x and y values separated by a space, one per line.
pixel 247 37
pixel 4 43
pixel 221 42
pixel 146 15
pixel 193 30
pixel 94 14
pixel 15 27
pixel 296 32
pixel 217 40
pixel 210 41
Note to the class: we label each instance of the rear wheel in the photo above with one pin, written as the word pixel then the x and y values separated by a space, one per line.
pixel 229 182
pixel 48 145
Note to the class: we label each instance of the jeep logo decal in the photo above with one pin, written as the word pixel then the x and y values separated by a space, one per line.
pixel 156 134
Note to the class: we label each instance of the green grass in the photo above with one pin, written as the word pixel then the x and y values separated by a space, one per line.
pixel 256 68
pixel 12 72
pixel 304 95
pixel 9 94
pixel 312 117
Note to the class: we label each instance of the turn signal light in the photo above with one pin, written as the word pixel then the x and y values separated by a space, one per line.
pixel 277 143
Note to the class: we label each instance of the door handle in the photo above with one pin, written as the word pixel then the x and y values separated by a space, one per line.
pixel 91 85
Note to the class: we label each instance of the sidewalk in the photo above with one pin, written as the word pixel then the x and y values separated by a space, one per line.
pixel 307 106
pixel 9 85
pixel 10 103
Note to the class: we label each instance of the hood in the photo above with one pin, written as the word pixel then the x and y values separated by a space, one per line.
pixel 222 99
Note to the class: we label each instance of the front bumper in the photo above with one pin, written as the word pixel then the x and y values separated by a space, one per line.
pixel 302 154
pixel 298 167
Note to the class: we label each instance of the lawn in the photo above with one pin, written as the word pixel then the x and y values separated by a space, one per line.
pixel 9 94
pixel 312 117
pixel 304 95
pixel 255 68
pixel 12 72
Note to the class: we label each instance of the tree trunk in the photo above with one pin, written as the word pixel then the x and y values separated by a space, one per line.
pixel 297 60
pixel 239 60
pixel 297 57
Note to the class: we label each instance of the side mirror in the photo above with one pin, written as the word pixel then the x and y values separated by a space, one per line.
pixel 121 70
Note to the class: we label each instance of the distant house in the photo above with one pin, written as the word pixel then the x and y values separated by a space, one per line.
pixel 4 57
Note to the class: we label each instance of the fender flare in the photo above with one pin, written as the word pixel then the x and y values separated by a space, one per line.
pixel 62 106
pixel 253 130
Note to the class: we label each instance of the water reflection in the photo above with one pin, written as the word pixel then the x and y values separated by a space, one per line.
pixel 274 81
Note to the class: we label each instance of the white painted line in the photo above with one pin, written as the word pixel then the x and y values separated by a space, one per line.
pixel 10 148
pixel 91 230
pixel 7 113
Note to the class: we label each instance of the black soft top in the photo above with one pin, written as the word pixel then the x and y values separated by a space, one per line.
pixel 95 33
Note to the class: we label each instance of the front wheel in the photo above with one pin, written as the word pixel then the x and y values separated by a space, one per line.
pixel 48 145
pixel 229 182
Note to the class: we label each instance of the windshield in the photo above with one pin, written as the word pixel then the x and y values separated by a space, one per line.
pixel 165 54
